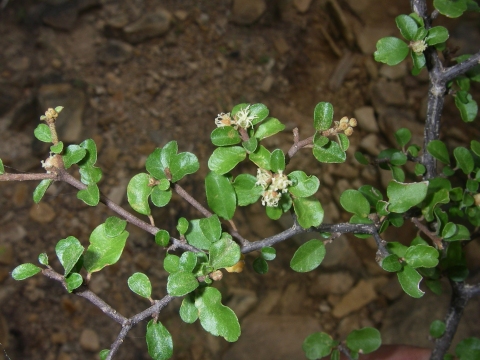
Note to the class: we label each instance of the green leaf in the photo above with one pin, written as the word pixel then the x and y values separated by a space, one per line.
pixel 74 281
pixel 403 196
pixel 391 51
pixel 216 318
pixel 2 169
pixel 343 141
pixel 42 133
pixel 260 111
pixel 436 35
pixel 449 230
pixel 171 263
pixel 353 201
pixel 474 145
pixel 188 310
pixel 304 186
pixel 468 349
pixel 114 226
pixel 224 253
pixel 407 26
pixel 269 127
pixel 309 211
pixel 410 279
pixel 364 341
pixel 159 341
pixel 24 271
pixel 72 155
pixel 41 189
pixel 225 136
pixel 361 158
pixel 154 164
pixel 317 345
pixel 160 197
pixel 329 153
pixel 308 256
pixel 419 62
pixel 211 228
pixel 90 174
pixel 103 354
pixel 68 252
pixel 187 262
pixel 450 8
pixel 140 284
pixel 196 237
pixel 183 164
pixel 394 247
pixel 462 233
pixel 90 195
pixel 420 169
pixel 268 253
pixel 181 283
pixel 162 238
pixel 261 157
pixel 421 256
pixel 323 116
pixel 246 189
pixel 403 136
pixel 182 225
pixel 57 149
pixel 437 329
pixel 464 159
pixel 391 263
pixel 372 194
pixel 260 266
pixel 225 159
pixel 138 191
pixel 103 250
pixel 91 156
pixel 277 160
pixel 250 145
pixel 468 110
pixel 43 259
pixel 220 195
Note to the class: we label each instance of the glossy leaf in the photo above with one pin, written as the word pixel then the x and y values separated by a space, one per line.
pixel 162 238
pixel 450 8
pixel 225 136
pixel 323 116
pixel 225 159
pixel 403 136
pixel 25 271
pixel 42 133
pixel 391 263
pixel 91 153
pixel 159 341
pixel 103 250
pixel 260 112
pixel 159 197
pixel 188 311
pixel 154 164
pixel 462 233
pixel 138 191
pixel 410 279
pixel 182 225
pixel 330 153
pixel 90 174
pixel 354 202
pixel 277 160
pixel 68 252
pixel 224 253
pixel 474 145
pixel 187 262
pixel 140 284
pixel 261 157
pixel 468 110
pixel 365 340
pixel 343 141
pixel 305 186
pixel 268 253
pixel 437 329
pixel 391 51
pixel 317 345
pixel 361 158
pixel 403 196
pixel 407 26
pixel 220 195
pixel 269 127
pixel 421 256
pixel 58 148
pixel 211 228
pixel 196 237
pixel 250 145
pixel 394 247
pixel 464 159
pixel 309 211
pixel 181 283
pixel 436 35
pixel 2 168
pixel 41 189
pixel 74 281
pixel 373 195
pixel 468 349
pixel 114 226
pixel 308 256
pixel 72 155
pixel 216 318
pixel 171 263
pixel 90 195
pixel 43 259
pixel 183 164
pixel 246 189
pixel 260 266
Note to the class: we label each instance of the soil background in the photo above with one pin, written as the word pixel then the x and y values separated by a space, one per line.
pixel 134 75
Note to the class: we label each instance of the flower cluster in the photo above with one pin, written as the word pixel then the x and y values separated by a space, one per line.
pixel 418 46
pixel 344 125
pixel 273 184
pixel 242 119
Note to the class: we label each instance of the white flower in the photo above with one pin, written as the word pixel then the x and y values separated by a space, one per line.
pixel 280 182
pixel 271 198
pixel 224 120
pixel 243 119
pixel 418 46
pixel 264 178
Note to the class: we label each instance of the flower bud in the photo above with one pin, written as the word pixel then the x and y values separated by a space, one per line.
pixel 348 131
pixel 352 122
